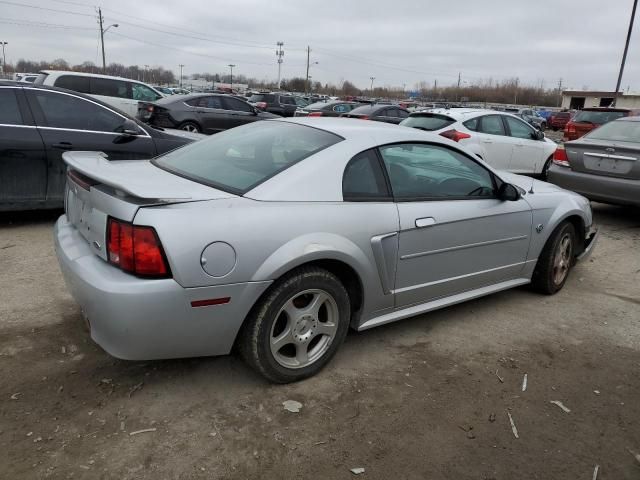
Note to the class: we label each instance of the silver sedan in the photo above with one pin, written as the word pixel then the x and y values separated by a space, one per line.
pixel 279 236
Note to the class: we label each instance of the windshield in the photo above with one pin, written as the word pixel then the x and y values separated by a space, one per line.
pixel 597 117
pixel 620 131
pixel 239 159
pixel 427 121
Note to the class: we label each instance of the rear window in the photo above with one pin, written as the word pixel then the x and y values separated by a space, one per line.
pixel 427 121
pixel 268 98
pixel 562 115
pixel 621 131
pixel 364 110
pixel 597 117
pixel 241 158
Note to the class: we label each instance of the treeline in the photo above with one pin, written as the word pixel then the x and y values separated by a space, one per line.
pixel 509 91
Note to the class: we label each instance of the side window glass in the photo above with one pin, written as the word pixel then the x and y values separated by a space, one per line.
pixel 472 124
pixel 237 105
pixel 519 129
pixel 341 108
pixel 143 93
pixel 492 124
pixel 211 102
pixel 69 112
pixel 403 114
pixel 109 87
pixel 430 172
pixel 73 82
pixel 363 179
pixel 10 111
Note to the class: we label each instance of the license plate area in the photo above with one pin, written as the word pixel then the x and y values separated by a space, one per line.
pixel 608 165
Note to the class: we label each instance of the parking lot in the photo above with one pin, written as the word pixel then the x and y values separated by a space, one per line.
pixel 428 397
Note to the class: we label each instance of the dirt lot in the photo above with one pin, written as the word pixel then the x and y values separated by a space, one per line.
pixel 428 397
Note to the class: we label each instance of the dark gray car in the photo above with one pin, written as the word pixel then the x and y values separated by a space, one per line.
pixel 379 113
pixel 326 109
pixel 204 112
pixel 603 165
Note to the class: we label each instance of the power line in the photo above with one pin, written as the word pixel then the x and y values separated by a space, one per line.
pixel 29 23
pixel 16 4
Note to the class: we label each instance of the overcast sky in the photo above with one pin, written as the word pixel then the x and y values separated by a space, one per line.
pixel 397 42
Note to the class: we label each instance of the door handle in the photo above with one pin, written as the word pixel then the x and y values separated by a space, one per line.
pixel 63 146
pixel 487 141
pixel 425 222
pixel 519 145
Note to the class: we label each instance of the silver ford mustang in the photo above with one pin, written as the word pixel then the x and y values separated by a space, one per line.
pixel 278 236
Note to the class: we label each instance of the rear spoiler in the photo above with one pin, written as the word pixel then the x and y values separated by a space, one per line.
pixel 138 178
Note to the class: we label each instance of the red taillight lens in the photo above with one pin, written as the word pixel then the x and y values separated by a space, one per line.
pixel 570 128
pixel 560 157
pixel 149 108
pixel 364 117
pixel 261 105
pixel 315 114
pixel 135 249
pixel 455 135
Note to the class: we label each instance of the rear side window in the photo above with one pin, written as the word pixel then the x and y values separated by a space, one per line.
pixel 363 179
pixel 268 98
pixel 206 102
pixel 10 112
pixel 519 129
pixel 596 117
pixel 237 105
pixel 341 108
pixel 402 113
pixel 472 124
pixel 492 124
pixel 73 82
pixel 241 158
pixel 144 93
pixel 428 121
pixel 110 88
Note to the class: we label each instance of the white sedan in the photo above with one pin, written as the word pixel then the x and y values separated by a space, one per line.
pixel 504 141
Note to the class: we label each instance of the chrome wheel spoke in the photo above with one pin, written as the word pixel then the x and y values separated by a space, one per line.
pixel 316 302
pixel 281 340
pixel 302 355
pixel 326 328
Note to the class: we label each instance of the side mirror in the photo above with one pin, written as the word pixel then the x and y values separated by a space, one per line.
pixel 130 128
pixel 538 135
pixel 508 193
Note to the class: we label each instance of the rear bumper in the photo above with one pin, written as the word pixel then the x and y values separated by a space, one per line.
pixel 139 319
pixel 599 188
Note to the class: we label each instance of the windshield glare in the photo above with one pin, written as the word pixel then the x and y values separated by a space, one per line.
pixel 621 131
pixel 239 159
pixel 598 118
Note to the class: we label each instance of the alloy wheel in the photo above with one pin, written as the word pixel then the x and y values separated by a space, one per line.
pixel 562 259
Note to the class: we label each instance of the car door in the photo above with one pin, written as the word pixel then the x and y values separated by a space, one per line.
pixel 69 122
pixel 526 150
pixel 238 112
pixel 211 114
pixel 455 235
pixel 23 161
pixel 494 142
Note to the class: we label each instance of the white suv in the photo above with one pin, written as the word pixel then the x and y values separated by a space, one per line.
pixel 504 141
pixel 119 92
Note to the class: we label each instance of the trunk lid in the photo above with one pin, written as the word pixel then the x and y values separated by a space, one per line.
pixel 611 159
pixel 97 188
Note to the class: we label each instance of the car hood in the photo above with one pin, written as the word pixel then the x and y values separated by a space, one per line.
pixel 526 183
pixel 183 134
pixel 139 178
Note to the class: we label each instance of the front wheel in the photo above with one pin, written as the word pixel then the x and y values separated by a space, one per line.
pixel 190 127
pixel 295 330
pixel 556 260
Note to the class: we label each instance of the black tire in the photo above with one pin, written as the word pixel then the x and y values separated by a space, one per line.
pixel 255 336
pixel 545 168
pixel 544 278
pixel 190 127
pixel 555 129
pixel 543 126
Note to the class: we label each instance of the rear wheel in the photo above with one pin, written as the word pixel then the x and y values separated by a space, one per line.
pixel 545 168
pixel 556 260
pixel 190 127
pixel 297 327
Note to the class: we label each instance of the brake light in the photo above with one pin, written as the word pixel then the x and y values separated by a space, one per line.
pixel 315 114
pixel 261 105
pixel 560 157
pixel 150 108
pixel 136 249
pixel 363 117
pixel 81 180
pixel 570 128
pixel 455 135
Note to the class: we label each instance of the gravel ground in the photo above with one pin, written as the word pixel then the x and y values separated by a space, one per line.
pixel 428 397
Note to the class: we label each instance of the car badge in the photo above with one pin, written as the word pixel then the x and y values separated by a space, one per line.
pixel 610 149
pixel 539 227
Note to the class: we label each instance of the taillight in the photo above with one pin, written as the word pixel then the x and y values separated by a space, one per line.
pixel 150 108
pixel 455 135
pixel 136 249
pixel 560 157
pixel 81 180
pixel 364 117
pixel 570 128
pixel 261 105
pixel 315 114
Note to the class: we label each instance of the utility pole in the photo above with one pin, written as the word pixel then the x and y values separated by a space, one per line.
pixel 560 92
pixel 231 65
pixel 372 79
pixel 515 96
pixel 459 76
pixel 626 49
pixel 280 54
pixel 102 32
pixel 4 58
pixel 306 83
pixel 181 65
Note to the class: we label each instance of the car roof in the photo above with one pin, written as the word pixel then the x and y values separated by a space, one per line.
pixel 83 74
pixel 457 113
pixel 628 119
